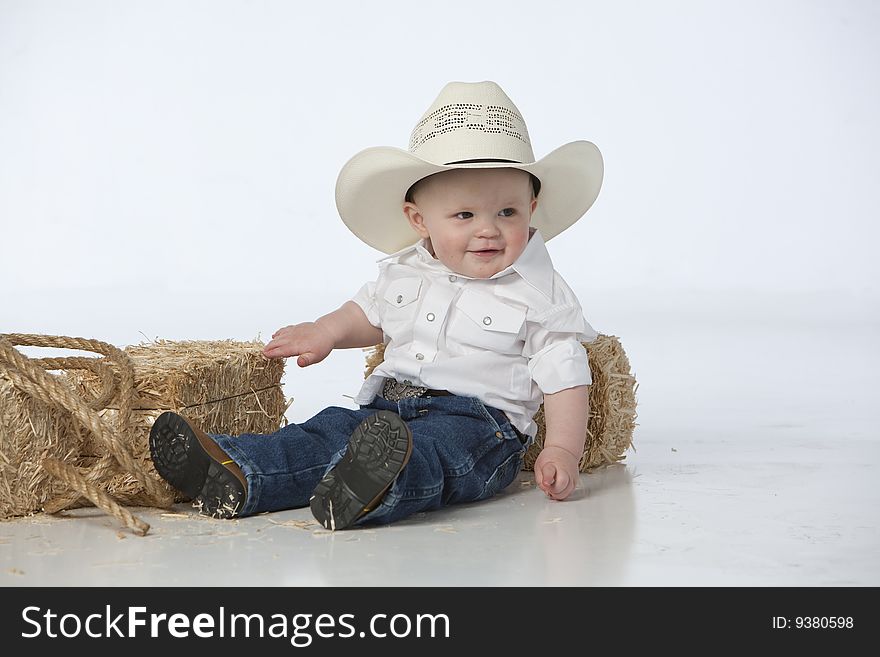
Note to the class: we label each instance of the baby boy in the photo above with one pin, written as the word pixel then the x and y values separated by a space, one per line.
pixel 479 329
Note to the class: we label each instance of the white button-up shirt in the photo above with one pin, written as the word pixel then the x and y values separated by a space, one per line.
pixel 506 340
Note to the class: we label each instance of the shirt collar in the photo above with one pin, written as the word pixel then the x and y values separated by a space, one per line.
pixel 533 265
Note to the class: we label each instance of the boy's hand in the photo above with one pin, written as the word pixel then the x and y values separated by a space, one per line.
pixel 307 340
pixel 556 472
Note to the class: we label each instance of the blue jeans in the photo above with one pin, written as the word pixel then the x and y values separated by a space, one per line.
pixel 463 451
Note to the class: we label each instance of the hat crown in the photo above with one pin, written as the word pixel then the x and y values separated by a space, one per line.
pixel 471 121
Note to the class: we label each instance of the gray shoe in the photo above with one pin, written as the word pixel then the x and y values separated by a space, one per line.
pixel 188 459
pixel 378 450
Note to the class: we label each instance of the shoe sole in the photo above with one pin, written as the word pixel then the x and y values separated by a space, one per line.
pixel 379 448
pixel 182 460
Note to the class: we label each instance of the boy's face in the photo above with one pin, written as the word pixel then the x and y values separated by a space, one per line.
pixel 477 220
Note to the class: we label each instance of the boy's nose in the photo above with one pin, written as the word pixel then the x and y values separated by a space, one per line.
pixel 487 228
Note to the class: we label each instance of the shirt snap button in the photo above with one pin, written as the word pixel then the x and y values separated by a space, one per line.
pixel 498 434
pixel 399 298
pixel 420 356
pixel 430 317
pixel 487 320
pixel 452 279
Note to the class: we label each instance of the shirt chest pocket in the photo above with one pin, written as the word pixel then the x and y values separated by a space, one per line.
pixel 403 291
pixel 486 322
pixel 400 297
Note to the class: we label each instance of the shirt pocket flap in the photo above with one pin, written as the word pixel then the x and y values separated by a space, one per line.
pixel 403 291
pixel 490 313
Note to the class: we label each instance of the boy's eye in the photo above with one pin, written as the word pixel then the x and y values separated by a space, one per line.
pixel 459 215
pixel 507 212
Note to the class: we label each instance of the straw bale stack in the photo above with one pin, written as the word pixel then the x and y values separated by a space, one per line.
pixel 612 404
pixel 223 386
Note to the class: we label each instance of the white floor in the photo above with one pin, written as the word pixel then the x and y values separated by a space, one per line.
pixel 756 463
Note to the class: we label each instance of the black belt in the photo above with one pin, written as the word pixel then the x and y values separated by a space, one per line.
pixel 397 390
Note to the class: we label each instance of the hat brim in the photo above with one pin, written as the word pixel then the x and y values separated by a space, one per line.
pixel 371 187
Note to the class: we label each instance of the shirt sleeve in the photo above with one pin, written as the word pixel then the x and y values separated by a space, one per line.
pixel 366 299
pixel 554 344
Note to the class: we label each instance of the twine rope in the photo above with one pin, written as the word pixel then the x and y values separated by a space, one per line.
pixel 116 372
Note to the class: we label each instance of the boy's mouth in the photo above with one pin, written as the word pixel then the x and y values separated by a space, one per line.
pixel 486 253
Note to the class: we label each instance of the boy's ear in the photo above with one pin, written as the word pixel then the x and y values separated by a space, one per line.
pixel 415 218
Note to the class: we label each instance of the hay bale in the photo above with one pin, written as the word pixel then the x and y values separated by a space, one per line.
pixel 612 405
pixel 223 386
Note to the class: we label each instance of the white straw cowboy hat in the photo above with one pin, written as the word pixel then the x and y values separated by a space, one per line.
pixel 471 125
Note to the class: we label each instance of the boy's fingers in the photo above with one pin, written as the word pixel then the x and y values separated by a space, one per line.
pixel 561 483
pixel 565 490
pixel 281 349
pixel 305 360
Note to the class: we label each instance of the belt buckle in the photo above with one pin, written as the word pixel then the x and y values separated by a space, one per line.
pixel 395 390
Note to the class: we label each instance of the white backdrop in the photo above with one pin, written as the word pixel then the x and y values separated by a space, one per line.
pixel 167 168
